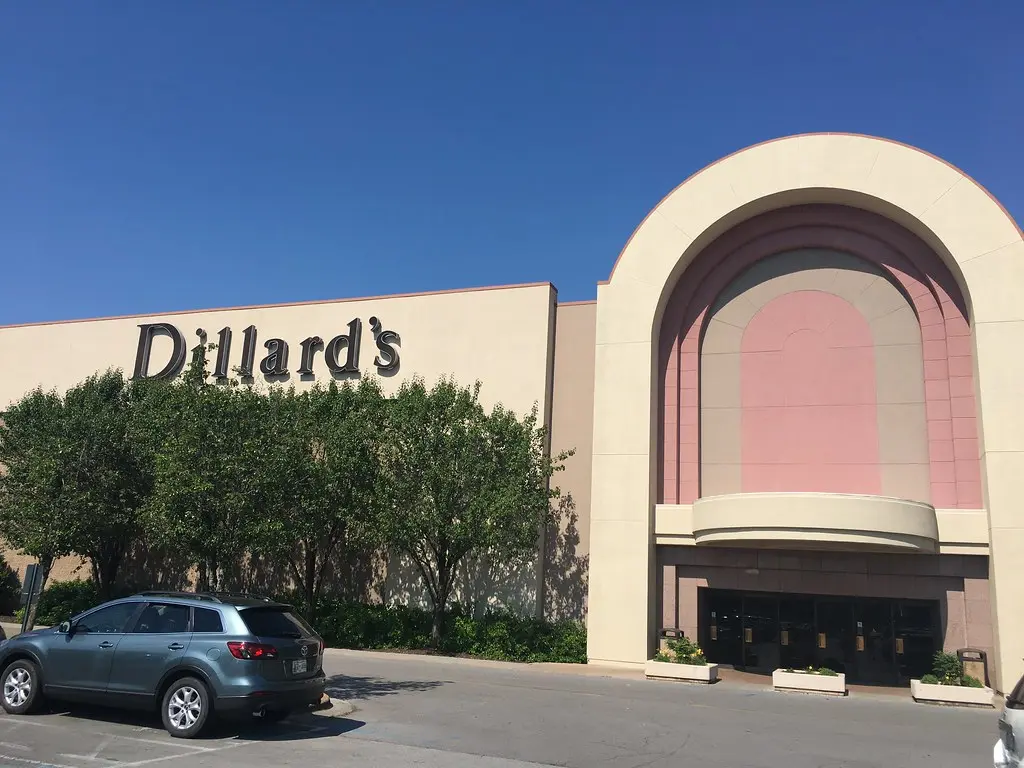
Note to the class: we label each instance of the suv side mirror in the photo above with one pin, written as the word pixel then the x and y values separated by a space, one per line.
pixel 64 628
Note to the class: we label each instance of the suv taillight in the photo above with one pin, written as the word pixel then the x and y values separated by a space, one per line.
pixel 321 647
pixel 252 650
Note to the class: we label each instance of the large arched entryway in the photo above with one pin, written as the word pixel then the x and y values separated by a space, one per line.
pixel 870 259
pixel 809 350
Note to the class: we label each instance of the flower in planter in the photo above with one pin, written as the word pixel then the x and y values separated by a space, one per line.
pixel 822 671
pixel 948 670
pixel 683 651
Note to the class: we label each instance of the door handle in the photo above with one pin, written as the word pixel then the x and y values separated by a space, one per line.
pixel 106 644
pixel 175 646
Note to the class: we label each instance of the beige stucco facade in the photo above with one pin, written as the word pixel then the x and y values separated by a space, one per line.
pixel 500 336
pixel 702 470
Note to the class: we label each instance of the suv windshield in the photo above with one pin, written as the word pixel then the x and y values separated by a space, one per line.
pixel 275 622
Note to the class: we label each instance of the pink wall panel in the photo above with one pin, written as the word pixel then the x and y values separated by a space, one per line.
pixel 809 418
pixel 930 288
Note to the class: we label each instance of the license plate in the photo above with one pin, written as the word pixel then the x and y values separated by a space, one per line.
pixel 298 666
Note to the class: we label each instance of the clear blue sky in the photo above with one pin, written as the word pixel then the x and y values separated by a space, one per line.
pixel 176 155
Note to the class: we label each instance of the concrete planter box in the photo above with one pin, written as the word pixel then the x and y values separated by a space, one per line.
pixel 953 695
pixel 692 673
pixel 809 683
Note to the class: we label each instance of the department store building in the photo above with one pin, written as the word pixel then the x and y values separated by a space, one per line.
pixel 797 406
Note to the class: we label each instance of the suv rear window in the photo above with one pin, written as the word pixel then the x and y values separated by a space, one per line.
pixel 207 620
pixel 275 622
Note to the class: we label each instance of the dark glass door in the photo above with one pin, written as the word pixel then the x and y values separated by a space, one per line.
pixel 834 639
pixel 761 633
pixel 915 628
pixel 723 641
pixel 875 646
pixel 872 640
pixel 796 632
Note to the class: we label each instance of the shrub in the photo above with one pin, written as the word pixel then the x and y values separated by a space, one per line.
pixel 930 679
pixel 947 667
pixel 826 672
pixel 10 589
pixel 64 599
pixel 971 682
pixel 497 635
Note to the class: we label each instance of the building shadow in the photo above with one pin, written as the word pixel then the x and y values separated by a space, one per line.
pixel 565 569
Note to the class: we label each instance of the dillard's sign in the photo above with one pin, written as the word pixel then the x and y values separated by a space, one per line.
pixel 340 353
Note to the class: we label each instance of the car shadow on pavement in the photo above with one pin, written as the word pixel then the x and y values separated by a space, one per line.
pixel 299 727
pixel 353 688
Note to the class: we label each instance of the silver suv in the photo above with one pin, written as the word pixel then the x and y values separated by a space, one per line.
pixel 192 655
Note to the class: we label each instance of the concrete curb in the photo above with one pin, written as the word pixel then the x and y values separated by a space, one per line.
pixel 584 670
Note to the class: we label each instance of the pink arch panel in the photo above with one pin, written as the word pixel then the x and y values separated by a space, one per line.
pixel 954 464
pixel 807 391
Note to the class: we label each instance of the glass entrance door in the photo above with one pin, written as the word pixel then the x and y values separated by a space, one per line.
pixel 721 628
pixel 834 639
pixel 797 637
pixel 914 626
pixel 761 633
pixel 875 645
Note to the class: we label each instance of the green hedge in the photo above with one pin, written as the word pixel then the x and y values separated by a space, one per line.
pixel 498 635
pixel 63 599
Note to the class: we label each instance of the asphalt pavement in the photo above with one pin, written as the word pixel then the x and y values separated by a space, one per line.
pixel 445 713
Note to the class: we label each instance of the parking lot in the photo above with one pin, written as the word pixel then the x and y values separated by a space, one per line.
pixel 408 710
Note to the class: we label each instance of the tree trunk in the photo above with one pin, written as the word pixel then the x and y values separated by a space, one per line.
pixel 202 579
pixel 436 627
pixel 45 564
pixel 444 588
pixel 309 582
pixel 105 567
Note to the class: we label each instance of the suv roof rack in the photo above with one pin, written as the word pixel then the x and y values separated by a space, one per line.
pixel 214 597
pixel 240 596
pixel 179 594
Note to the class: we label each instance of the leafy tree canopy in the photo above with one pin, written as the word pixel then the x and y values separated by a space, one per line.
pixel 461 481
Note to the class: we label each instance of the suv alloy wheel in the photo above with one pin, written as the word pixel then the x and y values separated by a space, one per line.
pixel 185 708
pixel 21 689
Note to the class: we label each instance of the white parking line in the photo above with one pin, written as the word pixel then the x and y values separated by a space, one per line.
pixel 14 722
pixel 28 761
pixel 171 744
pixel 9 745
pixel 151 760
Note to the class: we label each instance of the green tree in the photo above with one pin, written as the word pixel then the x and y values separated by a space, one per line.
pixel 320 478
pixel 111 478
pixel 34 500
pixel 75 480
pixel 462 482
pixel 206 442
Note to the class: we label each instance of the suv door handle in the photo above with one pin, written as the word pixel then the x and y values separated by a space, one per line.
pixel 175 646
pixel 106 644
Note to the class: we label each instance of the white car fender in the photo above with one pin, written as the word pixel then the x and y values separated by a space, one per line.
pixel 1001 758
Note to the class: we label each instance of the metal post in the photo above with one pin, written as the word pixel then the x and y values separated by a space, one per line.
pixel 32 575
